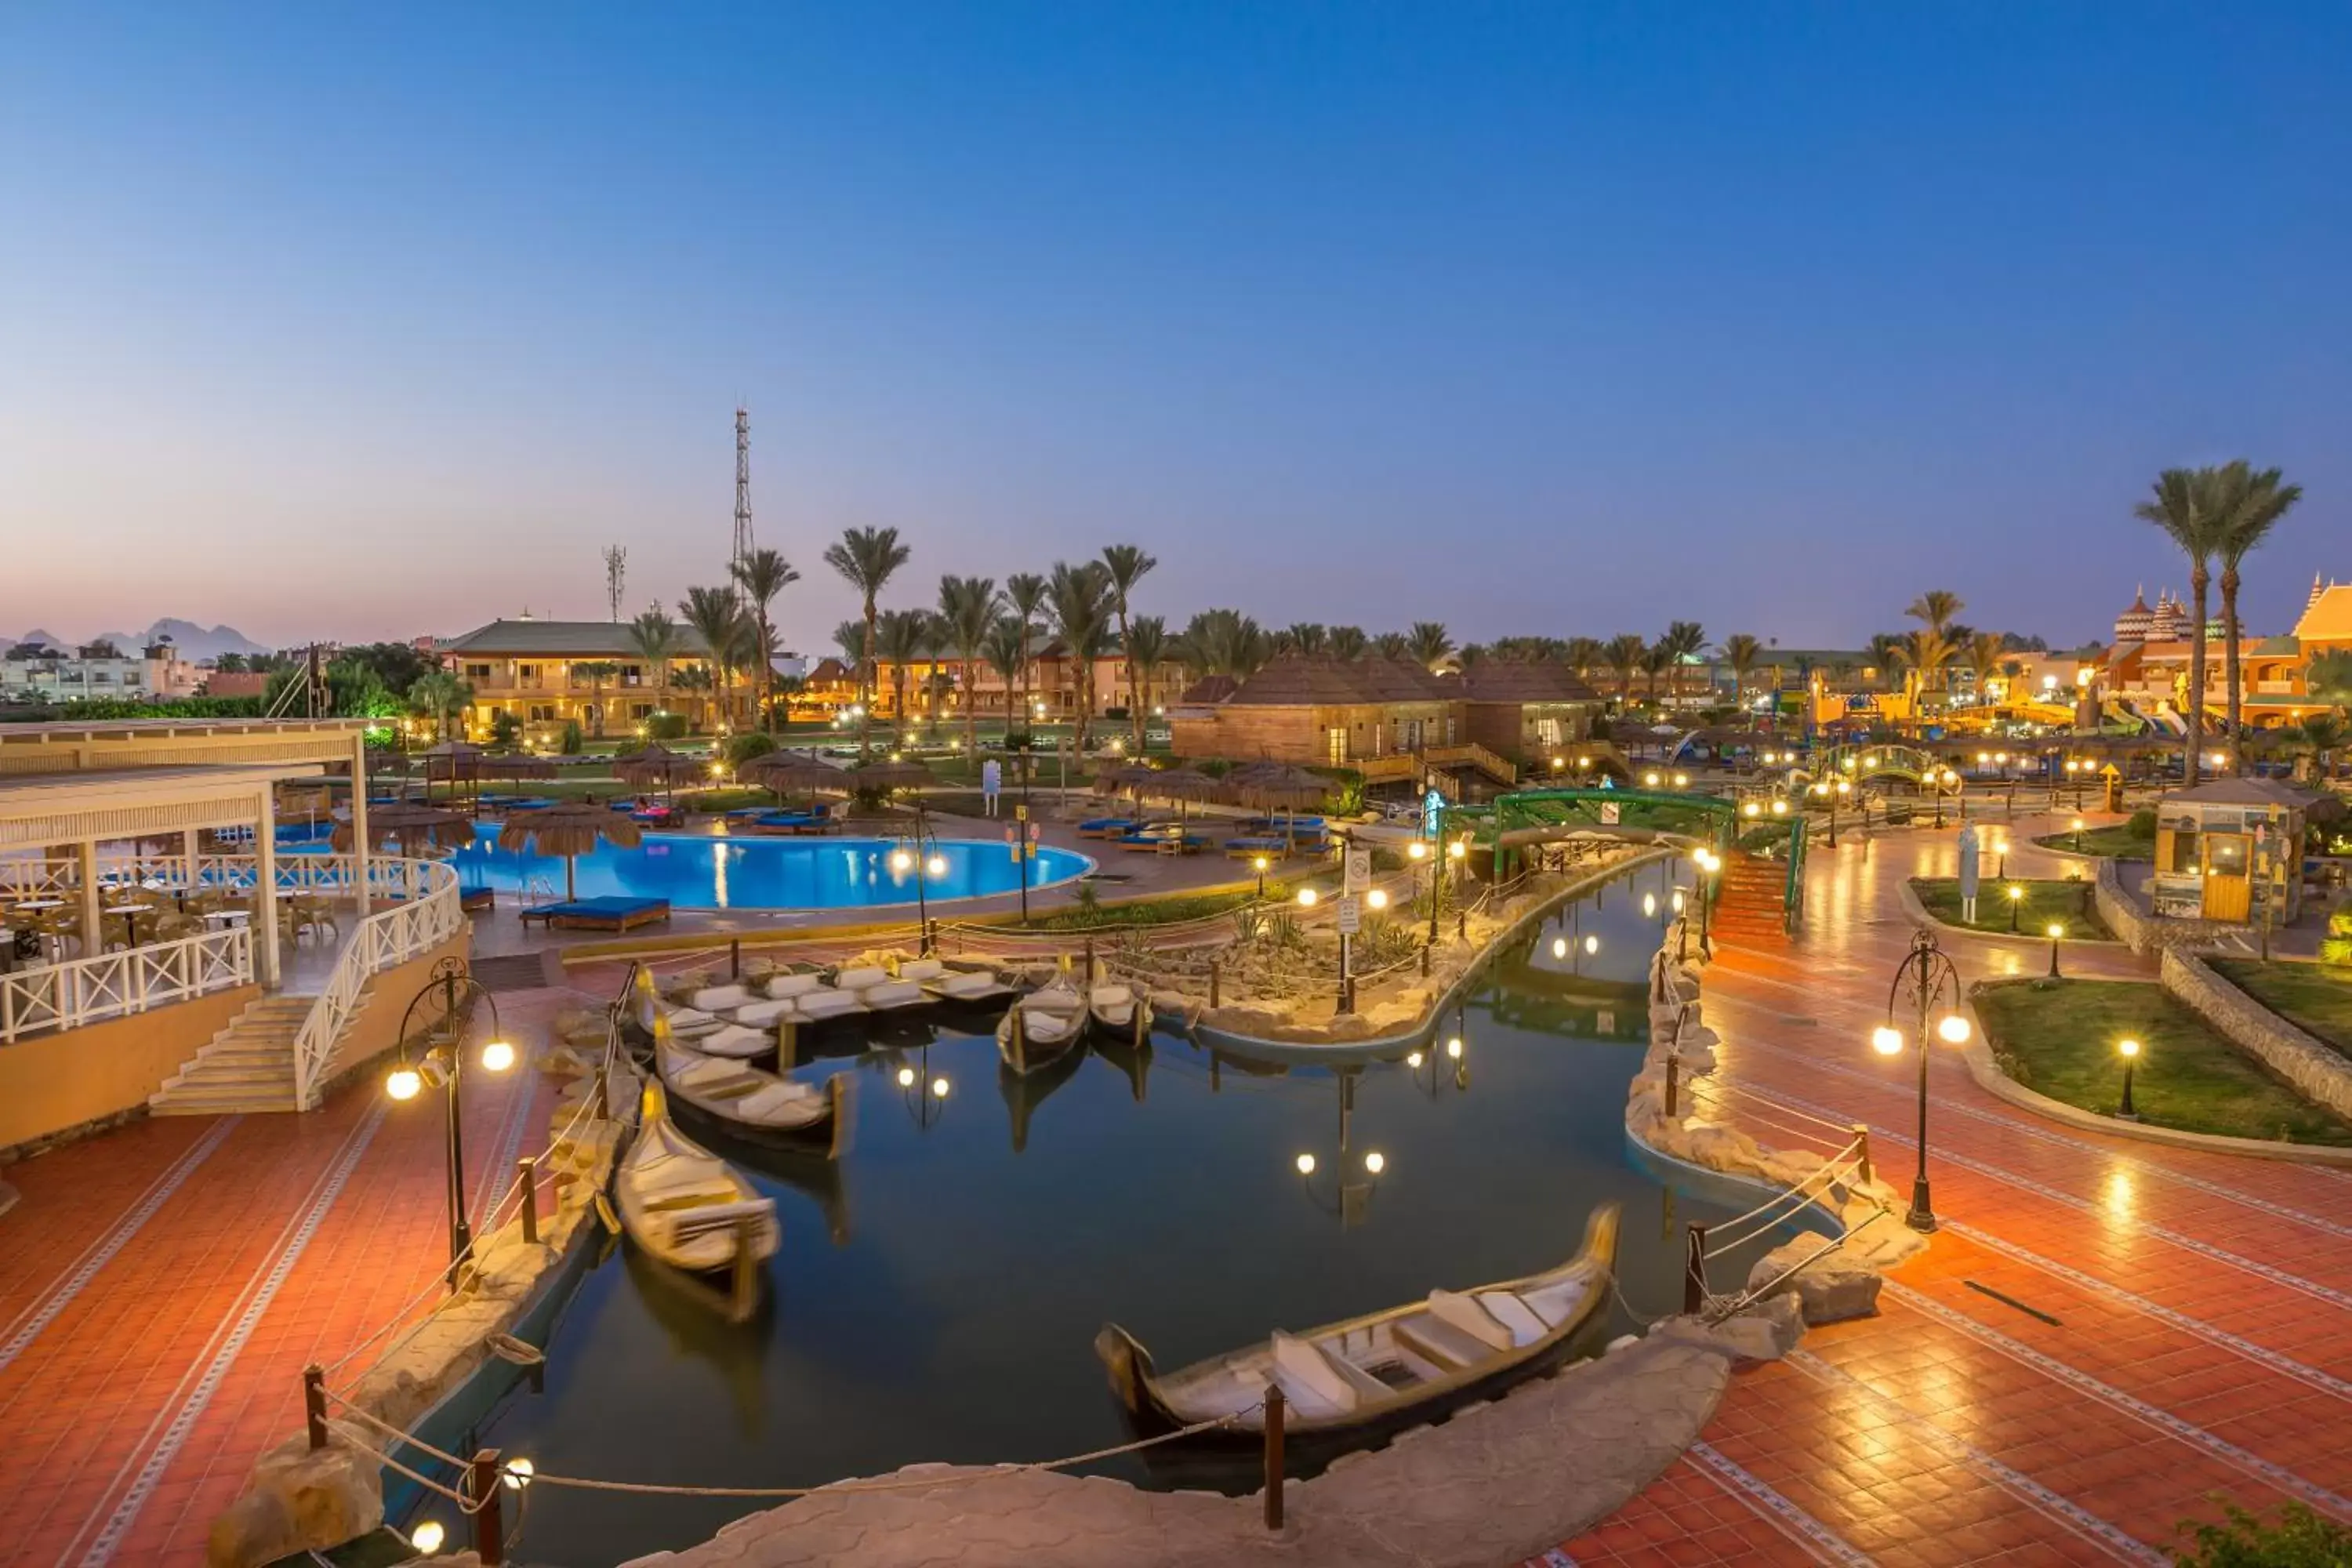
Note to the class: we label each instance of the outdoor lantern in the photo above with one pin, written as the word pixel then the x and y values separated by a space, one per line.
pixel 1454 1047
pixel 403 1083
pixel 1953 1029
pixel 497 1056
pixel 517 1473
pixel 1886 1040
pixel 2056 931
pixel 427 1537
pixel 1591 944
pixel 1305 1163
pixel 1458 850
pixel 1416 850
pixel 1376 1161
pixel 906 1078
pixel 939 1089
pixel 1306 897
pixel 937 865
pixel 901 861
pixel 1377 899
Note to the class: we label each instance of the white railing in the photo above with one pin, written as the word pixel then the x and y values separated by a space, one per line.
pixel 426 915
pixel 88 990
pixel 389 877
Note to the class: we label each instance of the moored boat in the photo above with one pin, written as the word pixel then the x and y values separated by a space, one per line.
pixel 750 1103
pixel 1042 1026
pixel 1370 1375
pixel 686 1207
pixel 1112 1006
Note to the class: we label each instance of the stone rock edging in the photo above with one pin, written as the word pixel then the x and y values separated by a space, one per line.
pixel 1985 1069
pixel 1403 1020
pixel 2321 1073
pixel 297 1499
pixel 2142 932
pixel 1842 1284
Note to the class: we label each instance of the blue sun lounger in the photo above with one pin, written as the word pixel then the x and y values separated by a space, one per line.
pixel 1109 827
pixel 612 912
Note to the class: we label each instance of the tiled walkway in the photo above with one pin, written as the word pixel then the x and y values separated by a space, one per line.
pixel 2203 1341
pixel 163 1287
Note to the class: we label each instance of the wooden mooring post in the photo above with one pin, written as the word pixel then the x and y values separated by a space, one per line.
pixel 489 1524
pixel 1273 1457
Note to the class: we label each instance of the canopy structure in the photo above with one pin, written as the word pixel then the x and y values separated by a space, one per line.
pixel 570 830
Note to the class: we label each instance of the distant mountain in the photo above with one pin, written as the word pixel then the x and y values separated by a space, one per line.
pixel 195 642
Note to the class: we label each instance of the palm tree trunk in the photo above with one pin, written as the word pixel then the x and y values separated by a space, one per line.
pixel 2199 581
pixel 2230 676
pixel 971 706
pixel 865 688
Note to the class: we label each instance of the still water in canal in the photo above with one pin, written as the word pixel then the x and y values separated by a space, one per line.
pixel 938 1292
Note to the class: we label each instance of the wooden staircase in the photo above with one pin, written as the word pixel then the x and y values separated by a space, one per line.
pixel 1751 902
pixel 248 1066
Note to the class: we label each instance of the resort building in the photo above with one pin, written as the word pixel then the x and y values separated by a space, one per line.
pixel 549 674
pixel 158 953
pixel 98 671
pixel 1055 685
pixel 1525 710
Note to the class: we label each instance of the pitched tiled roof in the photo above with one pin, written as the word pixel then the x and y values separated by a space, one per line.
pixel 1524 680
pixel 828 671
pixel 2243 792
pixel 1296 680
pixel 564 639
pixel 1208 690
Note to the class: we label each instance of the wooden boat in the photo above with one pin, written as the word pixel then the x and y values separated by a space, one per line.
pixel 959 983
pixel 1112 1005
pixel 1042 1026
pixel 878 989
pixel 1373 1375
pixel 750 1103
pixel 686 1207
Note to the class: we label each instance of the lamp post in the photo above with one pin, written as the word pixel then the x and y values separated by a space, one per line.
pixel 2056 930
pixel 2078 835
pixel 924 863
pixel 1353 1197
pixel 444 1062
pixel 1708 863
pixel 2130 1050
pixel 1927 980
pixel 1260 863
pixel 2016 902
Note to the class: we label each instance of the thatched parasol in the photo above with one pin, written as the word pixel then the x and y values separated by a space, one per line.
pixel 451 760
pixel 785 771
pixel 884 776
pixel 571 828
pixel 1133 776
pixel 655 763
pixel 1268 783
pixel 408 828
pixel 1181 785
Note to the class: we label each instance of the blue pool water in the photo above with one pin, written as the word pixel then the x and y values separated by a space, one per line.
pixel 695 872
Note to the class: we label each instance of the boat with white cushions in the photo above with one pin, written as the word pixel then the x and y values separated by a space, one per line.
pixel 970 983
pixel 687 1206
pixel 1040 1027
pixel 1112 1005
pixel 1385 1370
pixel 878 989
pixel 747 1102
pixel 813 1001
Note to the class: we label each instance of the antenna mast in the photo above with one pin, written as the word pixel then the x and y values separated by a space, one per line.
pixel 742 483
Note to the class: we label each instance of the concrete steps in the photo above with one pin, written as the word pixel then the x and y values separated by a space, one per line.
pixel 247 1066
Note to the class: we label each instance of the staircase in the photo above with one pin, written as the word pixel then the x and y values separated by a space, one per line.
pixel 1751 902
pixel 248 1066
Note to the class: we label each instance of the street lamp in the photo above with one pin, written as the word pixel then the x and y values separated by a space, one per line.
pixel 2129 1051
pixel 1933 986
pixel 444 1063
pixel 1708 863
pixel 2078 835
pixel 924 863
pixel 1437 1059
pixel 1259 863
pixel 2016 902
pixel 2057 928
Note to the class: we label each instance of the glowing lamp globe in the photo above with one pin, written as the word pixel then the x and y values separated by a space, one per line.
pixel 1306 897
pixel 906 1078
pixel 403 1083
pixel 2127 1049
pixel 1952 1029
pixel 1886 1040
pixel 1376 1161
pixel 497 1056
pixel 1305 1163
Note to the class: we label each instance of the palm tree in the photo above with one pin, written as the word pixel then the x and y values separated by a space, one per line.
pixel 2250 504
pixel 1005 647
pixel 1392 645
pixel 1081 600
pixel 1147 649
pixel 1985 653
pixel 1624 653
pixel 655 636
pixel 867 558
pixel 761 575
pixel 1885 655
pixel 1223 642
pixel 1923 654
pixel 1656 659
pixel 1025 592
pixel 435 695
pixel 968 611
pixel 1741 651
pixel 1429 644
pixel 596 671
pixel 1584 655
pixel 1308 637
pixel 898 639
pixel 1127 565
pixel 2184 507
pixel 2321 733
pixel 1936 608
pixel 1348 643
pixel 716 617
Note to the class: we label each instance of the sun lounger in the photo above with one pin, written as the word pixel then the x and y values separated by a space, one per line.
pixel 1109 827
pixel 611 913
pixel 1182 843
pixel 652 816
pixel 1259 844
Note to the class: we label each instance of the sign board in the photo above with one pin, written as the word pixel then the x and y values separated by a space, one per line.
pixel 1432 805
pixel 1011 835
pixel 1021 813
pixel 1358 870
pixel 1351 915
pixel 1609 813
pixel 1036 832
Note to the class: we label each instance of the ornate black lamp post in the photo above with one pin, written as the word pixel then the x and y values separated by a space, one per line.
pixel 444 1063
pixel 1928 985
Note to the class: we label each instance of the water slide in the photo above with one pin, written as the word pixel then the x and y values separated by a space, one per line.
pixel 2123 716
pixel 2166 720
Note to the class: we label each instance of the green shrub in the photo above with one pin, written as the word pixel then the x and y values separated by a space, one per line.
pixel 505 729
pixel 573 740
pixel 2141 824
pixel 2299 1539
pixel 741 749
pixel 2335 947
pixel 666 727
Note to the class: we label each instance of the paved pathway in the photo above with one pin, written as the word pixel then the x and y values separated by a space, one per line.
pixel 163 1287
pixel 2204 1301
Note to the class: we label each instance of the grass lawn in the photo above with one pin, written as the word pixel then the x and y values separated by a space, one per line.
pixel 2044 901
pixel 2058 1038
pixel 2118 841
pixel 1169 910
pixel 2314 998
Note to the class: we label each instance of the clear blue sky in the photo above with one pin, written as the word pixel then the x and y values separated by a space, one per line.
pixel 376 319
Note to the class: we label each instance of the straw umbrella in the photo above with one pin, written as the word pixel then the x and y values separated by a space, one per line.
pixel 1269 784
pixel 571 828
pixel 785 771
pixel 408 828
pixel 516 766
pixel 1181 785
pixel 454 760
pixel 1124 780
pixel 654 764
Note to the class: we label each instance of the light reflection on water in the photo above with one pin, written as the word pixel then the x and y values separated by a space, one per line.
pixel 939 1290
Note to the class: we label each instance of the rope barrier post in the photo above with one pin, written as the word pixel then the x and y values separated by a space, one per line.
pixel 788 1043
pixel 1694 1269
pixel 1861 1143
pixel 603 1100
pixel 1273 1457
pixel 1216 972
pixel 735 959
pixel 1090 963
pixel 1674 1078
pixel 1424 960
pixel 1020 1043
pixel 314 1405
pixel 527 1178
pixel 490 1530
pixel 1461 925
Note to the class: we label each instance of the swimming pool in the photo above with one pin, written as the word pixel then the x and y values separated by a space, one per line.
pixel 695 872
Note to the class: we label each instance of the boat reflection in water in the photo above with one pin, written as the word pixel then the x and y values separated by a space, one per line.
pixel 954 1320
